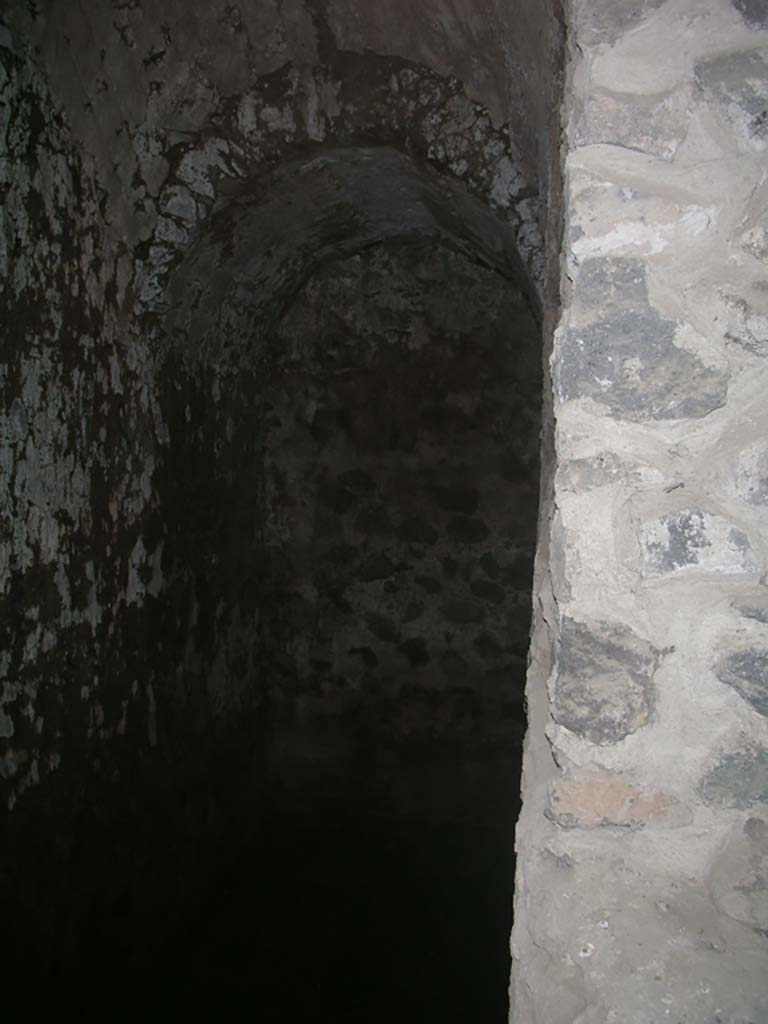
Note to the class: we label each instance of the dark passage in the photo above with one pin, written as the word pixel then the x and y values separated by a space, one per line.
pixel 272 275
pixel 323 829
pixel 355 920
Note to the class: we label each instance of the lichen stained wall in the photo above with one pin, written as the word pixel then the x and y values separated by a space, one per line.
pixel 80 429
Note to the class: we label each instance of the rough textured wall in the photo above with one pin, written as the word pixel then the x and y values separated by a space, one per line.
pixel 79 428
pixel 139 140
pixel 399 491
pixel 359 444
pixel 643 845
pixel 173 113
pixel 216 91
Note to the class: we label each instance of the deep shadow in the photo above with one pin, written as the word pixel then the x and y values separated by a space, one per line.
pixel 351 918
pixel 324 828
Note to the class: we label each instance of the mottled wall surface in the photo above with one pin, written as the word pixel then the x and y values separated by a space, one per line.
pixel 355 471
pixel 153 259
pixel 400 492
pixel 642 854
pixel 125 129
pixel 160 291
pixel 79 429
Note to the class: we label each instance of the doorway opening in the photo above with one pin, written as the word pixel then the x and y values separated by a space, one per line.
pixel 355 417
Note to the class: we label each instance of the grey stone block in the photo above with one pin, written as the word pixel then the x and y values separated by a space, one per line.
pixel 595 471
pixel 739 779
pixel 468 530
pixel 649 124
pixel 745 325
pixel 462 612
pixel 747 672
pixel 612 285
pixel 694 539
pixel 739 878
pixel 488 591
pixel 626 358
pixel 738 83
pixel 605 21
pixel 752 476
pixel 758 613
pixel 754 12
pixel 604 689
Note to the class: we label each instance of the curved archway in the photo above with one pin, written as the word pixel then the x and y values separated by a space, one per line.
pixel 303 242
pixel 354 409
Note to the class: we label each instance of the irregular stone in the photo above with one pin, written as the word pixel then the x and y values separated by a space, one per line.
pixel 488 591
pixel 759 614
pixel 739 779
pixel 694 540
pixel 450 567
pixel 342 554
pixel 467 531
pixel 604 687
pixel 747 672
pixel 412 611
pixel 417 531
pixel 458 499
pixel 751 477
pixel 463 612
pixel 367 655
pixel 378 567
pixel 595 471
pixel 415 651
pixel 754 12
pixel 432 586
pixel 382 627
pixel 604 21
pixel 488 648
pixel 738 82
pixel 631 364
pixel 7 727
pixel 753 240
pixel 627 359
pixel 741 323
pixel 593 799
pixel 516 467
pixel 357 481
pixel 739 877
pixel 649 124
pixel 612 220
pixel 336 498
pixel 454 666
pixel 17 420
pixel 489 566
pixel 374 522
pixel 518 575
pixel 612 285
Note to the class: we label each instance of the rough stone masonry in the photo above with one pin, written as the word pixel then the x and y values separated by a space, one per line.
pixel 151 158
pixel 642 888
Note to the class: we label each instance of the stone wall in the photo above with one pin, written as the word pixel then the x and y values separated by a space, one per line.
pixel 157 339
pixel 159 121
pixel 178 182
pixel 79 433
pixel 392 496
pixel 642 847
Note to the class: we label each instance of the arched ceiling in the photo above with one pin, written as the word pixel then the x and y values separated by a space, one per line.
pixel 261 245
pixel 182 104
